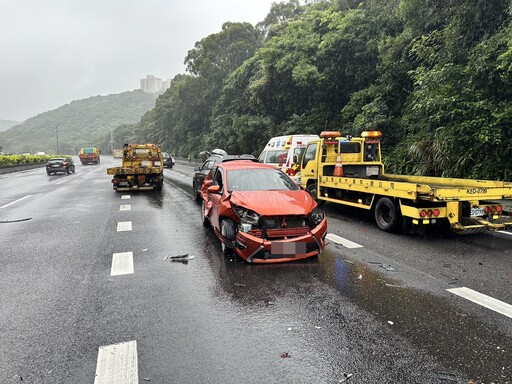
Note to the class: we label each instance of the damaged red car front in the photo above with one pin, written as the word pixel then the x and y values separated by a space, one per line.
pixel 259 213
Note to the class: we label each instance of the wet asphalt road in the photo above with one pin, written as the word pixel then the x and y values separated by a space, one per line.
pixel 379 313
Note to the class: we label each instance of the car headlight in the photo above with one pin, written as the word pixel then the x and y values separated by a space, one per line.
pixel 316 217
pixel 246 215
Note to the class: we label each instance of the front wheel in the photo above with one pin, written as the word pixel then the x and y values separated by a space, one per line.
pixel 312 189
pixel 227 230
pixel 387 214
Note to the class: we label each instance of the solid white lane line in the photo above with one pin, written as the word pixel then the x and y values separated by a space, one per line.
pixel 122 264
pixel 506 233
pixel 15 201
pixel 125 207
pixel 126 197
pixel 124 226
pixel 483 300
pixel 117 364
pixel 340 240
pixel 62 181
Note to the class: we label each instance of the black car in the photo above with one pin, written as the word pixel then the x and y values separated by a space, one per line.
pixel 168 160
pixel 60 164
pixel 201 172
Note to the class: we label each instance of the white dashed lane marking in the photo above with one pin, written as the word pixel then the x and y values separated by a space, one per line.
pixel 126 197
pixel 125 207
pixel 483 300
pixel 117 364
pixel 124 226
pixel 340 240
pixel 15 201
pixel 122 264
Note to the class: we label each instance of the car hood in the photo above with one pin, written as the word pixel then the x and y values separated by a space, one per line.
pixel 273 203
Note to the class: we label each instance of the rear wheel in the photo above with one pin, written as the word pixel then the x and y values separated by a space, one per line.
pixel 387 214
pixel 197 195
pixel 204 218
pixel 227 229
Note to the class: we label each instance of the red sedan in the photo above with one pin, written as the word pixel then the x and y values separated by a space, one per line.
pixel 259 213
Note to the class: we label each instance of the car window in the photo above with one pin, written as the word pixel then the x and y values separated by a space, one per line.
pixel 208 165
pixel 217 177
pixel 259 179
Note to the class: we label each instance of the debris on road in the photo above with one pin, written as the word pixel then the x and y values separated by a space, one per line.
pixel 14 221
pixel 285 355
pixel 185 257
pixel 346 377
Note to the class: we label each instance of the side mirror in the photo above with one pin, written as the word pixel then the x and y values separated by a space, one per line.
pixel 214 189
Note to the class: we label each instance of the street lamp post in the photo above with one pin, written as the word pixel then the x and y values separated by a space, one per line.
pixel 57 133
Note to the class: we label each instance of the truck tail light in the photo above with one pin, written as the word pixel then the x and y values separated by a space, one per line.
pixel 499 208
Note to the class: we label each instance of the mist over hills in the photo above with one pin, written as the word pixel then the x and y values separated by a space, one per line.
pixel 81 123
pixel 6 124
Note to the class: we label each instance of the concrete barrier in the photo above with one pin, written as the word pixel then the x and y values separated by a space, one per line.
pixel 20 167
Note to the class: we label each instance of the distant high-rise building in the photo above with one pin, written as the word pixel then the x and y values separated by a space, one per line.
pixel 152 84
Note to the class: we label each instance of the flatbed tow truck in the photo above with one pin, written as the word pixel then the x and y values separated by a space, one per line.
pixel 142 168
pixel 348 170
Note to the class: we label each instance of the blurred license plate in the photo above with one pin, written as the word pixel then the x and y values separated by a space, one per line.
pixel 477 212
pixel 287 249
pixel 372 171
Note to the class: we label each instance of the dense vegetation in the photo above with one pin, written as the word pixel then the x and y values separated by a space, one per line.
pixel 82 123
pixel 433 75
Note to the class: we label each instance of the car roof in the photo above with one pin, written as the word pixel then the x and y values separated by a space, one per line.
pixel 225 158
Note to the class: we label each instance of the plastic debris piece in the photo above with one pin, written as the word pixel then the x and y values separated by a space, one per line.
pixel 185 257
pixel 346 377
pixel 285 355
pixel 360 277
pixel 390 322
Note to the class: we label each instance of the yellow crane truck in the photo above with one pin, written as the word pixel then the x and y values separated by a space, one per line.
pixel 348 170
pixel 142 168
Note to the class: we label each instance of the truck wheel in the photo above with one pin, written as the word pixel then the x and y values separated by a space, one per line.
pixel 312 190
pixel 227 229
pixel 387 214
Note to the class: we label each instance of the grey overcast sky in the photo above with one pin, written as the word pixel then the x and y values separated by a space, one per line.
pixel 55 51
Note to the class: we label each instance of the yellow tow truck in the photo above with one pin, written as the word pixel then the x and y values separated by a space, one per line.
pixel 142 168
pixel 348 170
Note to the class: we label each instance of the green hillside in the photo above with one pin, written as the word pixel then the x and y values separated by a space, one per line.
pixel 81 123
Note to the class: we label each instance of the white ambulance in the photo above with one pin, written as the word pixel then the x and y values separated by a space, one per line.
pixel 285 152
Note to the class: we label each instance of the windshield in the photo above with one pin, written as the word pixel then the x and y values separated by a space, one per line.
pixel 273 157
pixel 259 179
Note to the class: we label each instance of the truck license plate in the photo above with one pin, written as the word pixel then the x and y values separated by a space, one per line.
pixel 372 171
pixel 477 212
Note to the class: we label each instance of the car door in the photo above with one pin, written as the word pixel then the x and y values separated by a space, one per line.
pixel 216 198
